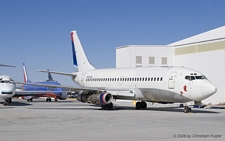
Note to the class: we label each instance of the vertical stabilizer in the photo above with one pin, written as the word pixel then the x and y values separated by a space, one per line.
pixel 79 58
pixel 25 77
pixel 49 76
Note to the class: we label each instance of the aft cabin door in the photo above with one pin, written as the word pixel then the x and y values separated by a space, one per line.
pixel 172 80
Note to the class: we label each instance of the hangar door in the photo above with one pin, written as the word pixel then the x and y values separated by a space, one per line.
pixel 172 80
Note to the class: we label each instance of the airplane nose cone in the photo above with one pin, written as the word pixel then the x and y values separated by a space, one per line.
pixel 208 89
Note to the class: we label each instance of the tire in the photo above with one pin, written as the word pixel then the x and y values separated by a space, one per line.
pixel 138 105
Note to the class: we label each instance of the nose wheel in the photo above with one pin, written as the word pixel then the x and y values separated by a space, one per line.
pixel 187 109
pixel 7 101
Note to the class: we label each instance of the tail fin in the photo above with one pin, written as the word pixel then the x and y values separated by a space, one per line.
pixel 25 77
pixel 79 58
pixel 49 76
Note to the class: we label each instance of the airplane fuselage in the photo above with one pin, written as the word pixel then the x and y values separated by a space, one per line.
pixel 57 91
pixel 155 84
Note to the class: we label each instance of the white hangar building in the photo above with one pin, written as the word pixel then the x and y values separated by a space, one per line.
pixel 204 52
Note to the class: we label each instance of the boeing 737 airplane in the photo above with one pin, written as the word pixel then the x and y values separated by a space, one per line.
pixel 146 84
pixel 56 94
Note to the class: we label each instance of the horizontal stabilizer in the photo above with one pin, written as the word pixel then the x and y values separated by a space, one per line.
pixel 56 72
pixel 2 65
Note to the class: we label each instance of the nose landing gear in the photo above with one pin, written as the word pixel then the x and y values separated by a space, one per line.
pixel 187 109
pixel 7 101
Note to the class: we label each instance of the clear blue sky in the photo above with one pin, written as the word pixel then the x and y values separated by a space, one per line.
pixel 37 32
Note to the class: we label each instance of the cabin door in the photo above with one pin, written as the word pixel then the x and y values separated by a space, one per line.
pixel 120 82
pixel 172 80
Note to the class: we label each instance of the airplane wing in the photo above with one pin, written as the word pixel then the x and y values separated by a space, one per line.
pixel 56 72
pixel 71 88
pixel 114 91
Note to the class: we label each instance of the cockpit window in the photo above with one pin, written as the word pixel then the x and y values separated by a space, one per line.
pixel 195 77
pixel 11 79
pixel 200 77
pixel 5 81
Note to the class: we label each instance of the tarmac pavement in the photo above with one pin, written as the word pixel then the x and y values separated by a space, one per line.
pixel 71 120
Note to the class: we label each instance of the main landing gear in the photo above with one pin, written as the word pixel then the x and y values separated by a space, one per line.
pixel 48 99
pixel 187 109
pixel 30 100
pixel 141 105
pixel 107 106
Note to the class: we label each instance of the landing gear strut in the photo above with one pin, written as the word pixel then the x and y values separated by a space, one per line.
pixel 141 105
pixel 187 109
pixel 107 106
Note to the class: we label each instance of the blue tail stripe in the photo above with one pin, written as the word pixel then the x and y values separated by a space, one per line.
pixel 74 55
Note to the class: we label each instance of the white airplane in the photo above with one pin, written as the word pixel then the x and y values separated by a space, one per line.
pixel 7 88
pixel 146 84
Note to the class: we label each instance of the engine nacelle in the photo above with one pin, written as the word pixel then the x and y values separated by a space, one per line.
pixel 96 98
pixel 63 96
pixel 26 97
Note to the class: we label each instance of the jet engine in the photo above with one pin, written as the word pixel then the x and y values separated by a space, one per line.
pixel 96 98
pixel 63 96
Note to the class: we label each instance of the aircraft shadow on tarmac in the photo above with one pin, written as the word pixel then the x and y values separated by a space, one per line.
pixel 163 109
pixel 116 108
pixel 16 103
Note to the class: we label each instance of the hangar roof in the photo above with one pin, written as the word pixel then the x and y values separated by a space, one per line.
pixel 215 34
pixel 126 46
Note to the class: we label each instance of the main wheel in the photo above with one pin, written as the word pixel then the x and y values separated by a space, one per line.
pixel 143 105
pixel 138 105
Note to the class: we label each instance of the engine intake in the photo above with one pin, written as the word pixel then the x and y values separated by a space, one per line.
pixel 96 98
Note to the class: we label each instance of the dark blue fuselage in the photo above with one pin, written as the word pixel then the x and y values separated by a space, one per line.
pixel 57 91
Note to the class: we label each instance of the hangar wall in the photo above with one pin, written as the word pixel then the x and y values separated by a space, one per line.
pixel 143 56
pixel 208 58
pixel 204 52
